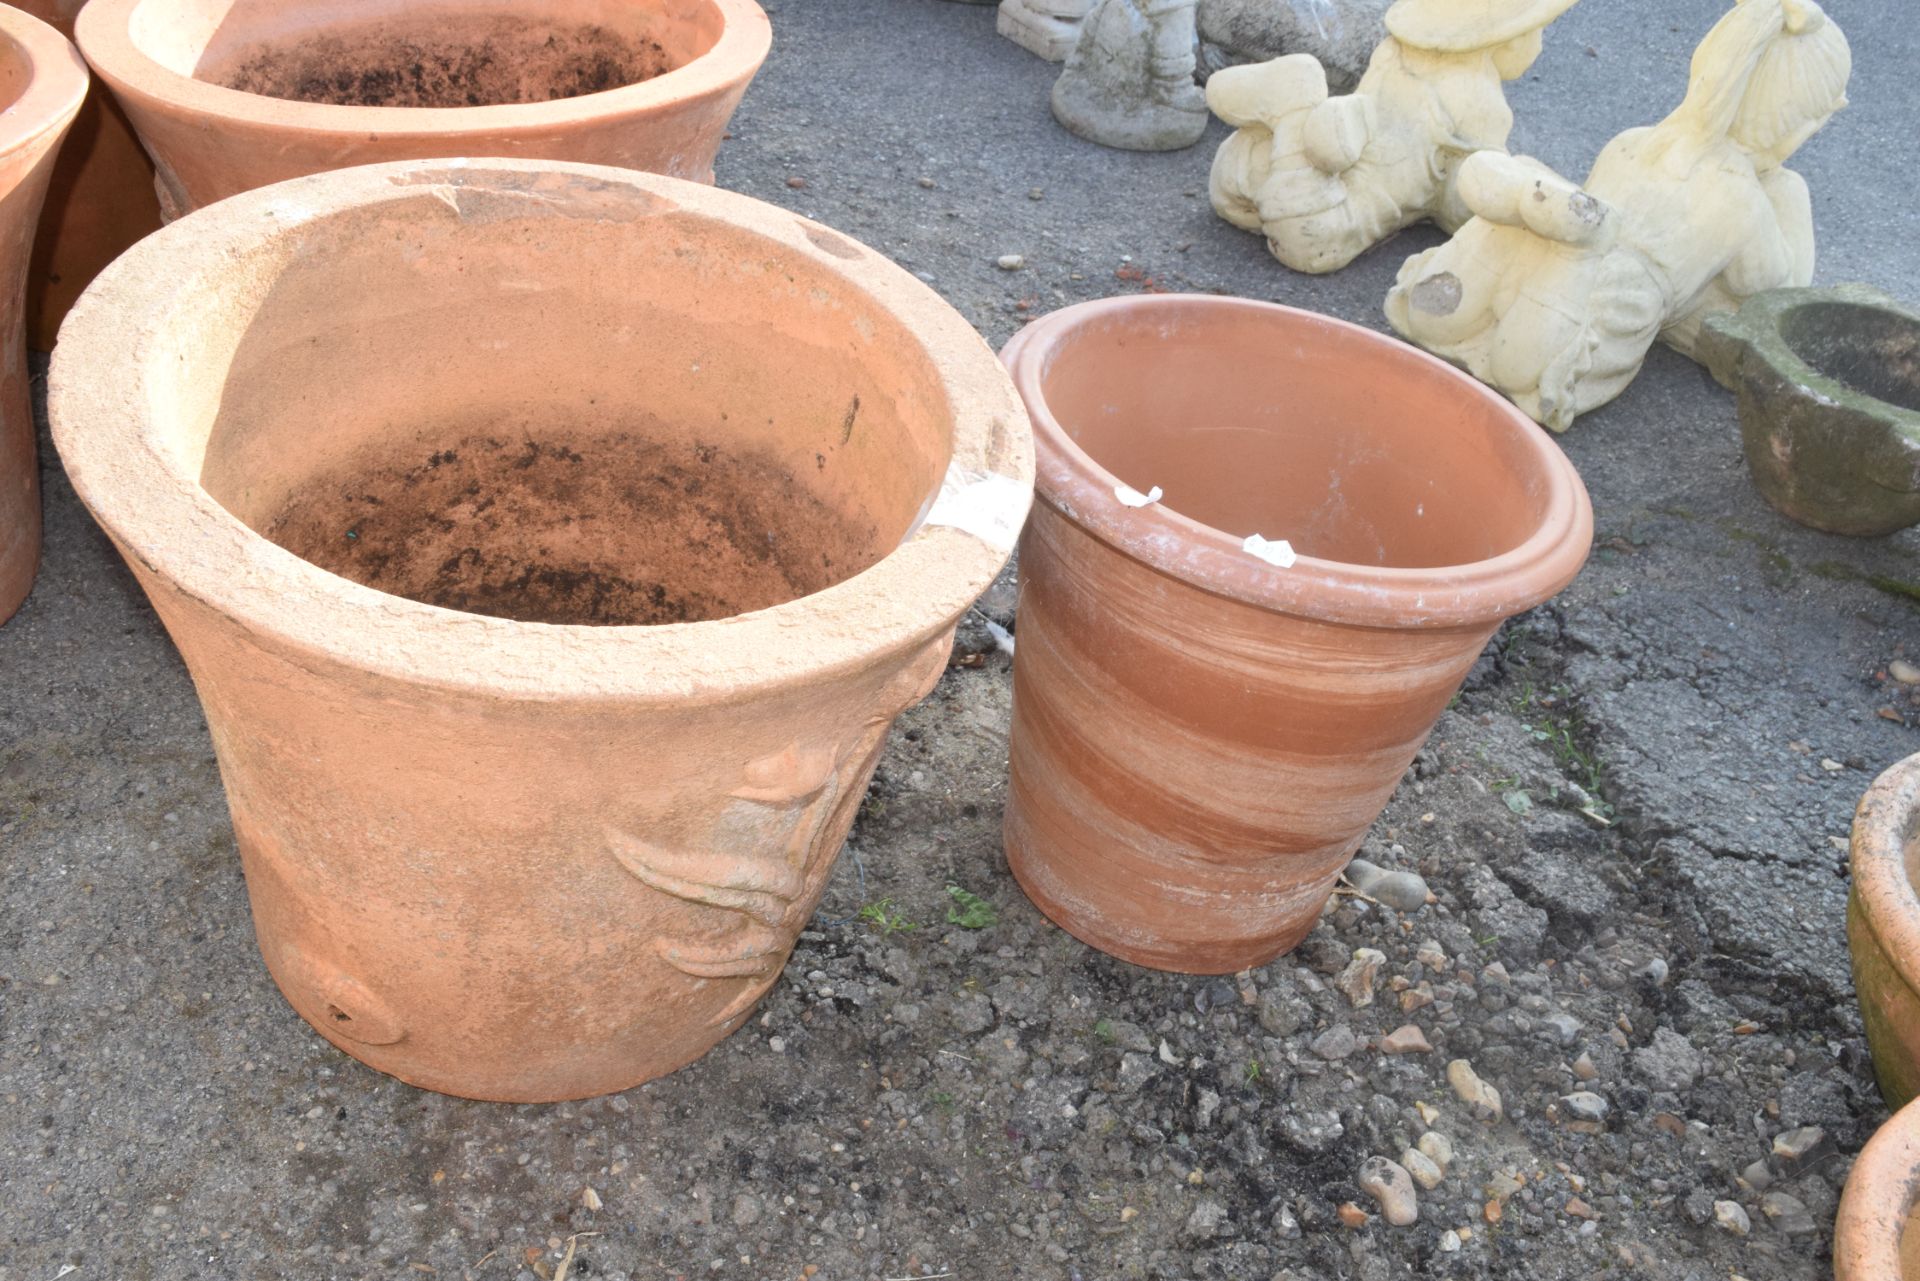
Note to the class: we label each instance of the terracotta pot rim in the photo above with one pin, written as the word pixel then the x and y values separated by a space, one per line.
pixel 103 34
pixel 56 86
pixel 1478 593
pixel 1867 1232
pixel 101 401
pixel 1890 904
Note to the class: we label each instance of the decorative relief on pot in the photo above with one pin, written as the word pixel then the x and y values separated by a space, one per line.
pixel 767 858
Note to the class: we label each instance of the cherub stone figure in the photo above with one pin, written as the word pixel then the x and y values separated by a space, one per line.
pixel 1129 81
pixel 1327 178
pixel 1553 294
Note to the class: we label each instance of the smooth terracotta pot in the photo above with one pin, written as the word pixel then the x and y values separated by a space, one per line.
pixel 1877 1236
pixel 100 200
pixel 1200 737
pixel 406 456
pixel 1883 927
pixel 468 78
pixel 42 83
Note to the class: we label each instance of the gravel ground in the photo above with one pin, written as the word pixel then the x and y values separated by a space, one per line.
pixel 1631 824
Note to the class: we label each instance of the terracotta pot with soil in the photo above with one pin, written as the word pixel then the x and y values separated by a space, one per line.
pixel 1877 1236
pixel 229 95
pixel 552 547
pixel 100 200
pixel 1883 927
pixel 42 83
pixel 1203 731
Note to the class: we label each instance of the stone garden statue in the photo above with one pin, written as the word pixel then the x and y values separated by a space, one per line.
pixel 1129 81
pixel 1327 178
pixel 1553 293
pixel 1046 27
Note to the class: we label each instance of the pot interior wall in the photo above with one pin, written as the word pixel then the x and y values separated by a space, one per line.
pixel 1872 351
pixel 529 409
pixel 443 53
pixel 16 70
pixel 1262 423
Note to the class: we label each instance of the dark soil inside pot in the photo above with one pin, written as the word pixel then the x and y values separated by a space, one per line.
pixel 482 64
pixel 612 530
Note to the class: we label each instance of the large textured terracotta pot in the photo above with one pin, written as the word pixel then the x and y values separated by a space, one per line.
pixel 100 200
pixel 1201 737
pixel 42 83
pixel 1883 927
pixel 1877 1236
pixel 229 95
pixel 551 546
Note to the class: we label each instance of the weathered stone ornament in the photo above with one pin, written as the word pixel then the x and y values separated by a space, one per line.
pixel 1829 387
pixel 1046 27
pixel 1328 178
pixel 1129 81
pixel 1342 34
pixel 1553 293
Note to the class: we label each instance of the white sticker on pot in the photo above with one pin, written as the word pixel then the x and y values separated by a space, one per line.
pixel 990 507
pixel 1131 497
pixel 1278 553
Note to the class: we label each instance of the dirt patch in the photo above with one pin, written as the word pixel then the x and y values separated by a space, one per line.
pixel 484 64
pixel 613 530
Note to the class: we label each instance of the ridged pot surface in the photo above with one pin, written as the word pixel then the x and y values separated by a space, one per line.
pixel 99 200
pixel 1883 927
pixel 42 84
pixel 1200 737
pixel 229 95
pixel 1877 1235
pixel 552 547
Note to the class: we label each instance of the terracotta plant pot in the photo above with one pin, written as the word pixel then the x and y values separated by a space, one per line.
pixel 1883 927
pixel 406 456
pixel 1200 737
pixel 1877 1236
pixel 229 95
pixel 101 199
pixel 42 83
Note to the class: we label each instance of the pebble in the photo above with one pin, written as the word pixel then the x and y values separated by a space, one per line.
pixel 1336 1043
pixel 1389 1183
pixel 1438 1148
pixel 1206 1220
pixel 1758 1176
pixel 1729 1217
pixel 1355 982
pixel 1401 891
pixel 1561 1029
pixel 1668 1062
pixel 1904 672
pixel 1406 1039
pixel 1010 262
pixel 1795 1150
pixel 1423 1169
pixel 1583 1067
pixel 1584 1105
pixel 1351 1215
pixel 1482 1100
pixel 1431 955
pixel 1788 1214
pixel 1449 1242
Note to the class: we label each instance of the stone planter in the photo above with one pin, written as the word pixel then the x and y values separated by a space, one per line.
pixel 42 83
pixel 229 95
pixel 1877 1236
pixel 1829 387
pixel 551 546
pixel 1201 736
pixel 1883 927
pixel 100 200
